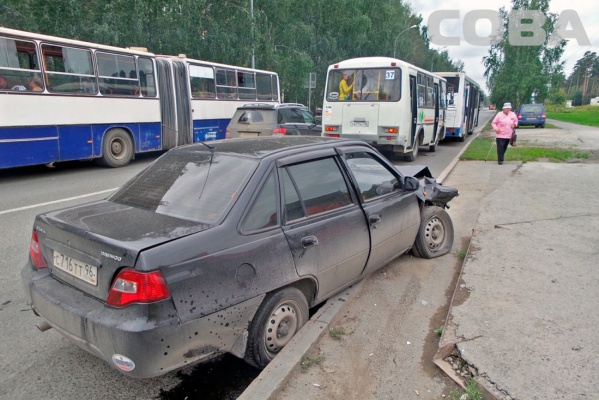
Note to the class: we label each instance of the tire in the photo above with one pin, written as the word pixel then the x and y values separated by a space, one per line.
pixel 435 236
pixel 461 139
pixel 411 157
pixel 279 318
pixel 117 149
pixel 543 126
pixel 433 147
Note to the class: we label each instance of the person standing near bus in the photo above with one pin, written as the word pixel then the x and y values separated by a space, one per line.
pixel 344 88
pixel 504 124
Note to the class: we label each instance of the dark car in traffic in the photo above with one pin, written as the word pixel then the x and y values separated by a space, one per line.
pixel 532 114
pixel 260 119
pixel 225 247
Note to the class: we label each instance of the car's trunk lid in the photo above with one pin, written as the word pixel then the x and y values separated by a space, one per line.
pixel 100 239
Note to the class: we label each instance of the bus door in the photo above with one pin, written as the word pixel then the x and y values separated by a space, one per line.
pixel 414 107
pixel 436 100
pixel 183 104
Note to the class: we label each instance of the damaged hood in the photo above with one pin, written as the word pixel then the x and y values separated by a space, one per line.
pixel 430 190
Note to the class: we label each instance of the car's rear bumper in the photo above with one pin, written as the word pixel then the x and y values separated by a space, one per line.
pixel 528 122
pixel 149 335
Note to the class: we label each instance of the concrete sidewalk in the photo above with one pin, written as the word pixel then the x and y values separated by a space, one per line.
pixel 524 315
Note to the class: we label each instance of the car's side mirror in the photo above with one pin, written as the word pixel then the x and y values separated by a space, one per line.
pixel 410 183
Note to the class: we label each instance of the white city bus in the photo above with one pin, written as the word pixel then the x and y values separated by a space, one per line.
pixel 463 104
pixel 393 105
pixel 63 99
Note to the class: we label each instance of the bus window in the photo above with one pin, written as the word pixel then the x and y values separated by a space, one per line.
pixel 146 77
pixel 201 80
pixel 18 63
pixel 246 85
pixel 267 87
pixel 226 84
pixel 442 95
pixel 372 84
pixel 68 70
pixel 430 89
pixel 421 90
pixel 117 74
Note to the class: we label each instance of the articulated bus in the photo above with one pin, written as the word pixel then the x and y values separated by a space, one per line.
pixel 395 106
pixel 63 100
pixel 463 104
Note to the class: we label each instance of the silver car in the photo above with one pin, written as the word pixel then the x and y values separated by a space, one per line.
pixel 288 119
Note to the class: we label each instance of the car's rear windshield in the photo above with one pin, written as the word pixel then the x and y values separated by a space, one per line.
pixel 197 186
pixel 535 108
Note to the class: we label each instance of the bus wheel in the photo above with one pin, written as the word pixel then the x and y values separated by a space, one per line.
pixel 433 147
pixel 414 153
pixel 117 149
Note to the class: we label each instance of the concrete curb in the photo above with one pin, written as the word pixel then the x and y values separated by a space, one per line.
pixel 275 376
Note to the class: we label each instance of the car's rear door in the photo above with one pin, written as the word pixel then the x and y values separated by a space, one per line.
pixel 324 224
pixel 393 214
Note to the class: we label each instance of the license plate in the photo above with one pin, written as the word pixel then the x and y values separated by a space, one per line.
pixel 79 269
pixel 248 134
pixel 358 124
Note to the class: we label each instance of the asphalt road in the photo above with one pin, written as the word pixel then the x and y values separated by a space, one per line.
pixel 45 365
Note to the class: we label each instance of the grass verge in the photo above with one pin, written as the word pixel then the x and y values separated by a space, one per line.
pixel 584 115
pixel 307 362
pixel 485 149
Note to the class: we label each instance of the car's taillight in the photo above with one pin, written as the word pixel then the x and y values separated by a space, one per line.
pixel 131 286
pixel 279 131
pixel 519 116
pixel 35 252
pixel 543 116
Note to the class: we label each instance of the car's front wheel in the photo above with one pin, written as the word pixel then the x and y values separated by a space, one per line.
pixel 280 316
pixel 435 236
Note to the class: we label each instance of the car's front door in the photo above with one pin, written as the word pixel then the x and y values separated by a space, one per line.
pixel 393 214
pixel 325 227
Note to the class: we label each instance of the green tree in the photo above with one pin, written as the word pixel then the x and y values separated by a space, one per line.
pixel 519 74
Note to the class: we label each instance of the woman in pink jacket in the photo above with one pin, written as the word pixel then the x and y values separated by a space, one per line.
pixel 504 124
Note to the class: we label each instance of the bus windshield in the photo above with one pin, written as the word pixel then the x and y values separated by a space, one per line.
pixel 367 84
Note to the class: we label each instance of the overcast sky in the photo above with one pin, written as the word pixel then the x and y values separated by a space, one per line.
pixel 471 55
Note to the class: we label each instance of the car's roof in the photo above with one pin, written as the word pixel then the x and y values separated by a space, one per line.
pixel 270 106
pixel 261 147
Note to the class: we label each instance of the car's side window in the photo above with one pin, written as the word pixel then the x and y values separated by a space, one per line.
pixel 263 213
pixel 314 187
pixel 372 177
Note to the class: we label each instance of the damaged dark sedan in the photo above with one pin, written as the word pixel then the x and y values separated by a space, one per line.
pixel 225 248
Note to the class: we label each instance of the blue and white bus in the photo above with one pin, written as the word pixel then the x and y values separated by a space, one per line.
pixel 67 100
pixel 463 104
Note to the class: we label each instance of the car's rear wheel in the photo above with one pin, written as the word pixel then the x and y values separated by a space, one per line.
pixel 435 236
pixel 279 318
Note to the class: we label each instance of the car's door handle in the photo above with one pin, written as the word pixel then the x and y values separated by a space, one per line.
pixel 309 241
pixel 374 219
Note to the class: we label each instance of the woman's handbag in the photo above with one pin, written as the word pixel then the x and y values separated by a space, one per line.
pixel 513 139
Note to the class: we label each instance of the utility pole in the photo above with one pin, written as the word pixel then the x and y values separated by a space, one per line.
pixel 253 35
